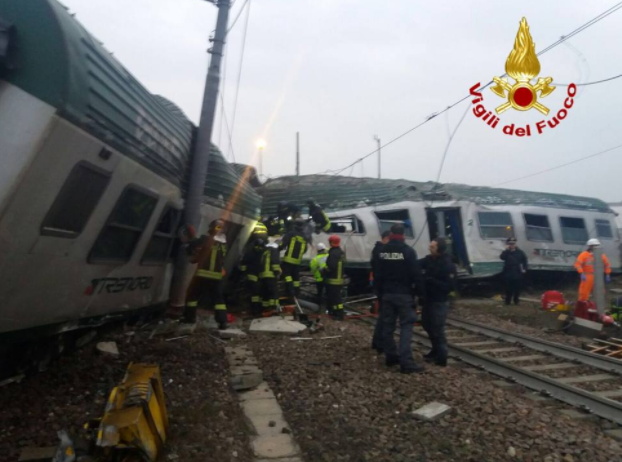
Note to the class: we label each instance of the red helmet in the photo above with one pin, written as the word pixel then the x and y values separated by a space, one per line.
pixel 334 241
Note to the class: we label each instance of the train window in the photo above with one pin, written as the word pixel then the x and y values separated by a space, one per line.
pixel 389 218
pixel 75 202
pixel 125 226
pixel 573 230
pixel 158 250
pixel 346 225
pixel 538 228
pixel 495 225
pixel 603 229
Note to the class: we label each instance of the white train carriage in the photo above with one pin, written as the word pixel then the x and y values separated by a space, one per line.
pixel 551 228
pixel 91 184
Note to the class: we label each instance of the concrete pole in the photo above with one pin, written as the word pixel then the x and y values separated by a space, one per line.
pixel 379 156
pixel 599 280
pixel 297 154
pixel 200 157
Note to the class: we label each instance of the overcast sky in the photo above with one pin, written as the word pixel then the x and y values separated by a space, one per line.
pixel 340 71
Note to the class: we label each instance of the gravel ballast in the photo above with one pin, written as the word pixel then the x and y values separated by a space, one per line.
pixel 343 404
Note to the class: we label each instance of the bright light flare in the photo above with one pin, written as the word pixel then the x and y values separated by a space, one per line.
pixel 261 144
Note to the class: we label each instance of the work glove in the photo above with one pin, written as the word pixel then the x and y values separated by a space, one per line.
pixel 583 277
pixel 607 279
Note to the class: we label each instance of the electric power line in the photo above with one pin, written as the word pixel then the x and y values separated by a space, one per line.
pixel 222 106
pixel 237 88
pixel 237 17
pixel 590 83
pixel 562 39
pixel 560 166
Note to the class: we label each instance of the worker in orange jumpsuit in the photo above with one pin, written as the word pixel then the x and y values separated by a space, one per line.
pixel 585 267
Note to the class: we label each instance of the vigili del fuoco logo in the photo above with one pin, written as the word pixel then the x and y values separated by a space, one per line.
pixel 522 95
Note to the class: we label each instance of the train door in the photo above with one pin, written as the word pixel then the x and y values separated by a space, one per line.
pixel 447 223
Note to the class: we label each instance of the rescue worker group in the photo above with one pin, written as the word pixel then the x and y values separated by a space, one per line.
pixel 400 280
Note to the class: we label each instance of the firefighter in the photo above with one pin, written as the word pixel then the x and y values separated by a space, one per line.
pixel 208 252
pixel 585 267
pixel 319 217
pixel 317 265
pixel 376 342
pixel 288 213
pixel 439 274
pixel 269 272
pixel 514 268
pixel 333 275
pixel 251 267
pixel 295 245
pixel 398 279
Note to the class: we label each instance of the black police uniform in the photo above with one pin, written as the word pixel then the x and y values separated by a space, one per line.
pixel 376 342
pixel 439 272
pixel 397 272
pixel 514 263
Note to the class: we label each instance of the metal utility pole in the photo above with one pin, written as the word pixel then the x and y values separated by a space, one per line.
pixel 379 158
pixel 297 154
pixel 200 157
pixel 599 280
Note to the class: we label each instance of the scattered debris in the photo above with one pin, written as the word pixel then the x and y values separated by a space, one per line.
pixel 611 348
pixel 15 379
pixel 276 325
pixel 232 333
pixel 86 338
pixel 432 411
pixel 108 348
pixel 176 338
pixel 511 451
pixel 316 338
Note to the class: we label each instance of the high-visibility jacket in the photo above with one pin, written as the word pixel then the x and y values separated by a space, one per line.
pixel 210 257
pixel 334 266
pixel 585 263
pixel 251 262
pixel 295 246
pixel 260 230
pixel 317 265
pixel 320 218
pixel 270 262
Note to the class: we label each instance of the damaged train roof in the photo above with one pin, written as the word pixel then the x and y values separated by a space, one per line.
pixel 339 192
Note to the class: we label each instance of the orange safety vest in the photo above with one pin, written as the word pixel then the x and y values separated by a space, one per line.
pixel 585 263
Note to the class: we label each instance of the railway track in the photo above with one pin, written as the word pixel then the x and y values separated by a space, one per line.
pixel 476 344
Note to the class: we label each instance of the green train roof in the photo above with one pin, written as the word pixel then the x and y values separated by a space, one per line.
pixel 339 192
pixel 60 63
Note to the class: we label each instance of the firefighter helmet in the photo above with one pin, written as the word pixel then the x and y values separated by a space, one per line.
pixel 334 241
pixel 593 242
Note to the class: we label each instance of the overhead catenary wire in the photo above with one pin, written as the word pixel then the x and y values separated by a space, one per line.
pixel 222 106
pixel 600 153
pixel 239 79
pixel 596 82
pixel 562 39
pixel 237 17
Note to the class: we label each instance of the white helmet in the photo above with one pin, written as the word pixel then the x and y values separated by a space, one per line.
pixel 593 242
pixel 321 246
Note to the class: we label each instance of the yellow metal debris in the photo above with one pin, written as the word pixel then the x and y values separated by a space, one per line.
pixel 135 417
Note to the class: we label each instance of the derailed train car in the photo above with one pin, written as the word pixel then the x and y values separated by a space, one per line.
pixel 92 179
pixel 551 228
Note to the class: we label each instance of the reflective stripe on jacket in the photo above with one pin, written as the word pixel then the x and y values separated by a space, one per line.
pixel 270 263
pixel 585 263
pixel 295 246
pixel 334 267
pixel 317 265
pixel 211 259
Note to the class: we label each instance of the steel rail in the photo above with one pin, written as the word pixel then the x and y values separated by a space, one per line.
pixel 563 351
pixel 602 407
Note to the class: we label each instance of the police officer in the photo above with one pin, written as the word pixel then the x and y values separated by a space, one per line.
pixel 439 272
pixel 270 270
pixel 208 252
pixel 319 217
pixel 398 277
pixel 295 245
pixel 514 268
pixel 317 265
pixel 333 275
pixel 376 342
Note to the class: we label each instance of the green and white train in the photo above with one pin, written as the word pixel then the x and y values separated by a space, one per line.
pixel 92 179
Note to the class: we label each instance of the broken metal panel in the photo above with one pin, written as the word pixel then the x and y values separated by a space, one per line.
pixel 136 416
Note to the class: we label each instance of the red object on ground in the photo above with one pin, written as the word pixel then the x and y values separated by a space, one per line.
pixel 552 298
pixel 607 320
pixel 230 318
pixel 586 310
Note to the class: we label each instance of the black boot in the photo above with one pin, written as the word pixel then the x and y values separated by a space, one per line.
pixel 414 369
